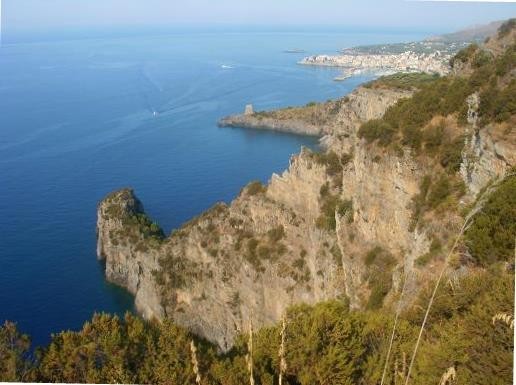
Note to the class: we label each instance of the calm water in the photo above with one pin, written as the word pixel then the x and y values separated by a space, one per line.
pixel 77 121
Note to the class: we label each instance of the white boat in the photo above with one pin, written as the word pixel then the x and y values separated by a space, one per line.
pixel 225 66
pixel 341 78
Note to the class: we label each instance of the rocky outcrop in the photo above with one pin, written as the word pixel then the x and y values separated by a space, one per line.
pixel 127 264
pixel 318 119
pixel 488 152
pixel 259 122
pixel 338 224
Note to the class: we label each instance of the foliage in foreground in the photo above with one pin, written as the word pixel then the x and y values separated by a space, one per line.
pixel 325 344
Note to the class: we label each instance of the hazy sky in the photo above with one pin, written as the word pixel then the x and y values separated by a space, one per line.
pixel 56 14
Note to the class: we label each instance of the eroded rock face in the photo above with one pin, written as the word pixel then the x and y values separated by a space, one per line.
pixel 126 265
pixel 276 245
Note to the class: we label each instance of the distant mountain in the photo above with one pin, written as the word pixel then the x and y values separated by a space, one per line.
pixel 475 33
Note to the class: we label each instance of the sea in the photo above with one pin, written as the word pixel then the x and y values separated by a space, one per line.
pixel 81 116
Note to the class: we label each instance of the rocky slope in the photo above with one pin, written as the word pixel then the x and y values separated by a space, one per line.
pixel 334 225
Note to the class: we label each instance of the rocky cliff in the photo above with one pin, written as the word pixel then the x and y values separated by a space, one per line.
pixel 318 119
pixel 355 222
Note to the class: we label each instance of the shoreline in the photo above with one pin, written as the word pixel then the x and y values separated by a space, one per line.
pixel 405 62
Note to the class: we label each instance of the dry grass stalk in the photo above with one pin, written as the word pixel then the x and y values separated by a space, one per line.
pixel 398 311
pixel 478 207
pixel 448 376
pixel 399 375
pixel 249 356
pixel 505 318
pixel 283 362
pixel 195 363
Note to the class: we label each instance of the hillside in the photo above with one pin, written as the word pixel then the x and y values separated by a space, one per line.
pixel 325 274
pixel 397 183
pixel 476 33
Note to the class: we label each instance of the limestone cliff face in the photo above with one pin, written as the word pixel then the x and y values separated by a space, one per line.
pixel 489 152
pixel 300 239
pixel 126 264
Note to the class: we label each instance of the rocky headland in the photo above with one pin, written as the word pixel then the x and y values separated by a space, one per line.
pixel 320 119
pixel 364 221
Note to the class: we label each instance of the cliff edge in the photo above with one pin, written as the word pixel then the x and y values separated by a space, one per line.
pixel 366 221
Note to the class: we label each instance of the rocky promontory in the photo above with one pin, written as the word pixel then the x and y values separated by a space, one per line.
pixel 319 119
pixel 366 221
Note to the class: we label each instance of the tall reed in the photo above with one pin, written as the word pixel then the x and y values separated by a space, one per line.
pixel 249 356
pixel 476 209
pixel 195 363
pixel 281 353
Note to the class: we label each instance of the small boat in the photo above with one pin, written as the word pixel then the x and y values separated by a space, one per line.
pixel 341 78
pixel 154 113
pixel 225 66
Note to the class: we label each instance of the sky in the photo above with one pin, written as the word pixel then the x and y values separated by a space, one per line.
pixel 436 16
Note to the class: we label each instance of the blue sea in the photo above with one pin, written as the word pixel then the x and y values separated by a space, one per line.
pixel 81 117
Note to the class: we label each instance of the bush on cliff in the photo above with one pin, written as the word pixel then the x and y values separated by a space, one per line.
pixel 490 238
pixel 404 81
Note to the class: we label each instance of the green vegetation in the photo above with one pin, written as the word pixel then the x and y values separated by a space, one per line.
pixel 377 129
pixel 506 27
pixel 255 188
pixel 331 204
pixel 137 227
pixel 404 81
pixel 144 227
pixel 257 249
pixel 435 248
pixel 406 122
pixel 490 238
pixel 15 362
pixel 379 275
pixel 325 344
pixel 469 325
pixel 331 161
pixel 175 272
pixel 465 54
pixel 498 106
pixel 435 192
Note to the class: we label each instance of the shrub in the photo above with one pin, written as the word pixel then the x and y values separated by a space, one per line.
pixel 465 54
pixel 377 129
pixel 331 161
pixel 490 238
pixel 405 81
pixel 370 257
pixel 439 191
pixel 435 247
pixel 379 275
pixel 276 234
pixel 255 188
pixel 331 204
